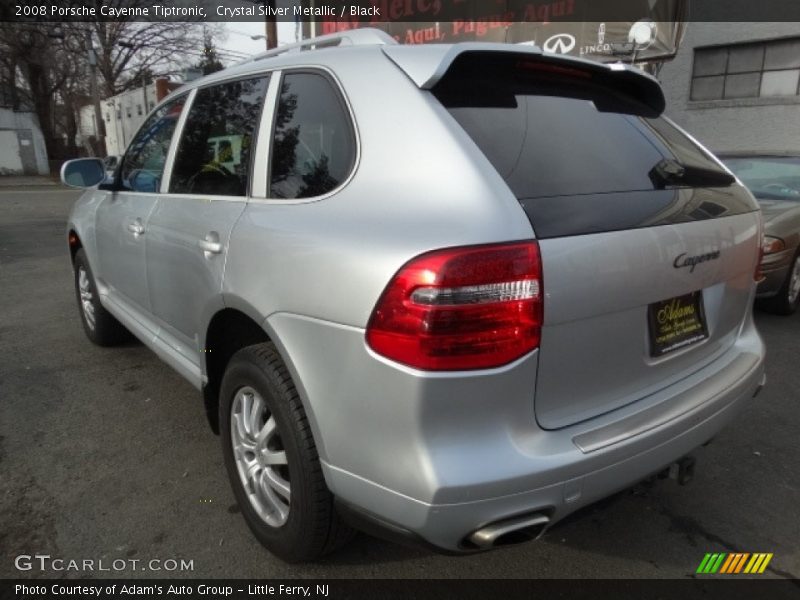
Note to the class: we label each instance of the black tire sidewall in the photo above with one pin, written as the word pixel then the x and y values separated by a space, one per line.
pixel 292 540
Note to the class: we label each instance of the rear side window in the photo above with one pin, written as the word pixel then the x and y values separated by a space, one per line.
pixel 144 161
pixel 313 148
pixel 216 144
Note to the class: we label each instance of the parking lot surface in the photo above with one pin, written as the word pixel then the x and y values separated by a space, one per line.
pixel 106 454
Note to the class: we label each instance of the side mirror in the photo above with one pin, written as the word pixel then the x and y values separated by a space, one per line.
pixel 83 172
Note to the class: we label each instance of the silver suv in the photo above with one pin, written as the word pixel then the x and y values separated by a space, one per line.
pixel 445 293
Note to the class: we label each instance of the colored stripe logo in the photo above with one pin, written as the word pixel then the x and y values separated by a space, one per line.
pixel 734 563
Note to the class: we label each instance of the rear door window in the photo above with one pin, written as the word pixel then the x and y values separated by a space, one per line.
pixel 313 147
pixel 213 157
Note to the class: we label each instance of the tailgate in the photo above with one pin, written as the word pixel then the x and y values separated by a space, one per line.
pixel 598 350
pixel 648 244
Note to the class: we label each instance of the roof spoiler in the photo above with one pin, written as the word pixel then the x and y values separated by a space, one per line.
pixel 427 65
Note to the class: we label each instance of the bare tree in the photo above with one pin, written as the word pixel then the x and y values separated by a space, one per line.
pixel 38 63
pixel 127 50
pixel 46 64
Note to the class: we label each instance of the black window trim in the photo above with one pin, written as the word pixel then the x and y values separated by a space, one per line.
pixel 344 102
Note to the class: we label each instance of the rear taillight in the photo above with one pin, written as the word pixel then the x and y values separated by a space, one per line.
pixel 474 307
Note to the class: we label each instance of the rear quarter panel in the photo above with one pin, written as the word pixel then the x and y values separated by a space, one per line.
pixel 420 184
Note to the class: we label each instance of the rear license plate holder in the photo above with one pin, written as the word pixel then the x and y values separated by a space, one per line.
pixel 676 323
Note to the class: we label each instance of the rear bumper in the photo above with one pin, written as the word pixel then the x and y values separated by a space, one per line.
pixel 434 460
pixel 446 526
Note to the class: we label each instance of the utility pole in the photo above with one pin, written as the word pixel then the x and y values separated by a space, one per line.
pixel 271 26
pixel 100 126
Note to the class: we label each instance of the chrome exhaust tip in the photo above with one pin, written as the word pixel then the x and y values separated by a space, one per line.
pixel 509 531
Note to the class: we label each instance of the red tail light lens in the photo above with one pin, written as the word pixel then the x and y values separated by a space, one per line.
pixel 474 307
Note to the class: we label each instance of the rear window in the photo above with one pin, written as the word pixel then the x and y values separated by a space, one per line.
pixel 579 153
pixel 555 146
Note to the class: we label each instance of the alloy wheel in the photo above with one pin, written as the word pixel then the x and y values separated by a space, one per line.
pixel 794 281
pixel 84 287
pixel 260 457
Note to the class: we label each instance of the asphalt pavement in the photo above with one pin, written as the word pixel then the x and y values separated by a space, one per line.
pixel 105 454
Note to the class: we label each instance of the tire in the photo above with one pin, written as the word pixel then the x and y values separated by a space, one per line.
pixel 786 301
pixel 283 457
pixel 100 325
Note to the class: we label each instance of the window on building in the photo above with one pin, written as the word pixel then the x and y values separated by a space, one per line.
pixel 139 109
pixel 150 106
pixel 752 70
pixel 313 146
pixel 214 152
pixel 119 115
pixel 128 112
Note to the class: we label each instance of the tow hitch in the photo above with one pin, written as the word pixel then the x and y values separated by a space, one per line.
pixel 683 470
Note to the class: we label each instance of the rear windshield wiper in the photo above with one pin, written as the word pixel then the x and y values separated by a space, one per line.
pixel 669 172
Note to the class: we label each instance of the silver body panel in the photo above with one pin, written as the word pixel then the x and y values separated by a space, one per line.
pixel 439 454
pixel 120 251
pixel 183 280
pixel 596 315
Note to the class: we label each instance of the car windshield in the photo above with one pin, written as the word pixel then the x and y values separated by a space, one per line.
pixel 769 177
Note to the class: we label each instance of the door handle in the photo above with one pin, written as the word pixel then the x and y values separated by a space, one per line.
pixel 212 247
pixel 211 244
pixel 136 228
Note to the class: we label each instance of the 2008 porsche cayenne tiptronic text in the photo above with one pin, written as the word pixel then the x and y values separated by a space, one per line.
pixel 449 293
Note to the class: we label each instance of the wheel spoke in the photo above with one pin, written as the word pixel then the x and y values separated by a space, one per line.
pixel 274 458
pixel 277 483
pixel 274 502
pixel 254 472
pixel 245 450
pixel 254 416
pixel 245 404
pixel 263 437
pixel 240 427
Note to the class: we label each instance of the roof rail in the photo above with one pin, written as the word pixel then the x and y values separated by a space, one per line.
pixel 351 37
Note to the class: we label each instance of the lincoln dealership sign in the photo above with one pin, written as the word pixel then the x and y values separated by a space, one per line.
pixel 628 30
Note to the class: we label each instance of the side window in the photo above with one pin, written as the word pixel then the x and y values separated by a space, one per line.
pixel 144 161
pixel 313 148
pixel 214 152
